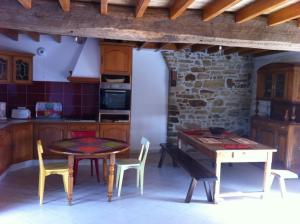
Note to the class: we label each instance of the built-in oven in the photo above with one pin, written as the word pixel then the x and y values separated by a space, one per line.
pixel 114 99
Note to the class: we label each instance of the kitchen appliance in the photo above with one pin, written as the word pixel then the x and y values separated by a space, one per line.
pixel 21 113
pixel 47 110
pixel 113 99
pixel 3 111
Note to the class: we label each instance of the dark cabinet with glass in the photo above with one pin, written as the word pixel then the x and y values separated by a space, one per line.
pixel 279 81
pixel 16 67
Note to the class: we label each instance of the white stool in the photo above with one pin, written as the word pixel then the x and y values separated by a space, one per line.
pixel 282 175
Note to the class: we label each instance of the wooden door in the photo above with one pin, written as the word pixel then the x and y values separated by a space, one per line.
pixel 48 133
pixel 5 68
pixel 22 69
pixel 5 150
pixel 116 59
pixel 22 142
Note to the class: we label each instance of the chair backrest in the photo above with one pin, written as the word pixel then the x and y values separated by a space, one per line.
pixel 81 134
pixel 144 150
pixel 40 152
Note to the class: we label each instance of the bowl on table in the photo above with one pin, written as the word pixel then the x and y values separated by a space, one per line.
pixel 216 130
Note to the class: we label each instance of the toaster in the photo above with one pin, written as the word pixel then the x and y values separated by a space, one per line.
pixel 21 113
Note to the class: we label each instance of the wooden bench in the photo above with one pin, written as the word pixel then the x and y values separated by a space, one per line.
pixel 197 171
pixel 282 175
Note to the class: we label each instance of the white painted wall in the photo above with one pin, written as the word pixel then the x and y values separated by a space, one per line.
pixel 149 98
pixel 150 79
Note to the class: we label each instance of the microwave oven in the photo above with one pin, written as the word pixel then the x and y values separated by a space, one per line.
pixel 114 99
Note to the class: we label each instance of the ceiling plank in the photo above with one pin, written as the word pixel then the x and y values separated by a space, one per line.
pixel 216 8
pixel 183 46
pixel 251 51
pixel 141 7
pixel 12 34
pixel 103 7
pixel 267 53
pixel 257 8
pixel 231 50
pixel 57 38
pixel 161 46
pixel 284 15
pixel 142 45
pixel 179 7
pixel 27 4
pixel 121 24
pixel 65 5
pixel 200 47
pixel 34 36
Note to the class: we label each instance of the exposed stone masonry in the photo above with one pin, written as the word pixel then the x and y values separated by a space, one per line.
pixel 211 90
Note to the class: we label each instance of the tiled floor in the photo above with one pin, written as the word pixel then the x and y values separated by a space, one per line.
pixel 162 202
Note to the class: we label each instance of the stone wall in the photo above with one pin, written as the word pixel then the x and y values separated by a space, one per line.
pixel 211 90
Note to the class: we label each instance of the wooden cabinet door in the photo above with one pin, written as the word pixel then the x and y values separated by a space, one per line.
pixel 5 150
pixel 280 86
pixel 22 142
pixel 266 136
pixel 281 146
pixel 82 127
pixel 116 59
pixel 5 68
pixel 264 85
pixel 48 133
pixel 22 69
pixel 115 131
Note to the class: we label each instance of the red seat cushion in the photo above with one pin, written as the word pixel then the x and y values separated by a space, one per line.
pixel 82 134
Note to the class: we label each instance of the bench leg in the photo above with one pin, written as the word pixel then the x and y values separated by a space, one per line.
pixel 282 187
pixel 162 158
pixel 208 191
pixel 189 195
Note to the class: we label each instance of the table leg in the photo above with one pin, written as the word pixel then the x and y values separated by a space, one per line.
pixel 70 179
pixel 111 176
pixel 218 175
pixel 267 173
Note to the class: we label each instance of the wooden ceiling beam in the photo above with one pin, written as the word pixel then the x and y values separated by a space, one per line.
pixel 180 46
pixel 103 7
pixel 12 34
pixel 27 4
pixel 141 7
pixel 251 51
pixel 57 38
pixel 257 8
pixel 231 50
pixel 216 8
pixel 284 15
pixel 33 35
pixel 121 24
pixel 265 53
pixel 65 5
pixel 179 7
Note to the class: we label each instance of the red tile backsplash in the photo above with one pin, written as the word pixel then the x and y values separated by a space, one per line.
pixel 78 100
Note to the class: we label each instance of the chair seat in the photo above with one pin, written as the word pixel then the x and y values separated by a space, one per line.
pixel 56 166
pixel 128 162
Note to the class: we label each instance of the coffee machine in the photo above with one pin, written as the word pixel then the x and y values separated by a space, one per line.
pixel 2 110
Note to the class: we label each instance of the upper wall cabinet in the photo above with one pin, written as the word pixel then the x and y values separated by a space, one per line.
pixel 116 59
pixel 15 67
pixel 279 81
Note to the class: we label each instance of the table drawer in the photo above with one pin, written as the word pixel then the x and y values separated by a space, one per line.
pixel 243 156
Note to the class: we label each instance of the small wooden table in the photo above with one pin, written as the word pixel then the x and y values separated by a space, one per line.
pixel 89 147
pixel 221 154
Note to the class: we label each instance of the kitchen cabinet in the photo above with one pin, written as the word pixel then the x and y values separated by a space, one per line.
pixel 48 133
pixel 82 127
pixel 22 142
pixel 16 67
pixel 116 59
pixel 116 131
pixel 279 81
pixel 284 136
pixel 5 68
pixel 5 149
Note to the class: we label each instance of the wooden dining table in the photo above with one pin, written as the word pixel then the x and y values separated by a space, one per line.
pixel 89 147
pixel 229 148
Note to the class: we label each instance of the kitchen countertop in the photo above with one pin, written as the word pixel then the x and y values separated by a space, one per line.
pixel 8 122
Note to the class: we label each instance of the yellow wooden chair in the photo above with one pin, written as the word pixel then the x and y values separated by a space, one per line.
pixel 138 164
pixel 48 169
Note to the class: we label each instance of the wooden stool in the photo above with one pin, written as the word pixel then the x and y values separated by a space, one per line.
pixel 282 175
